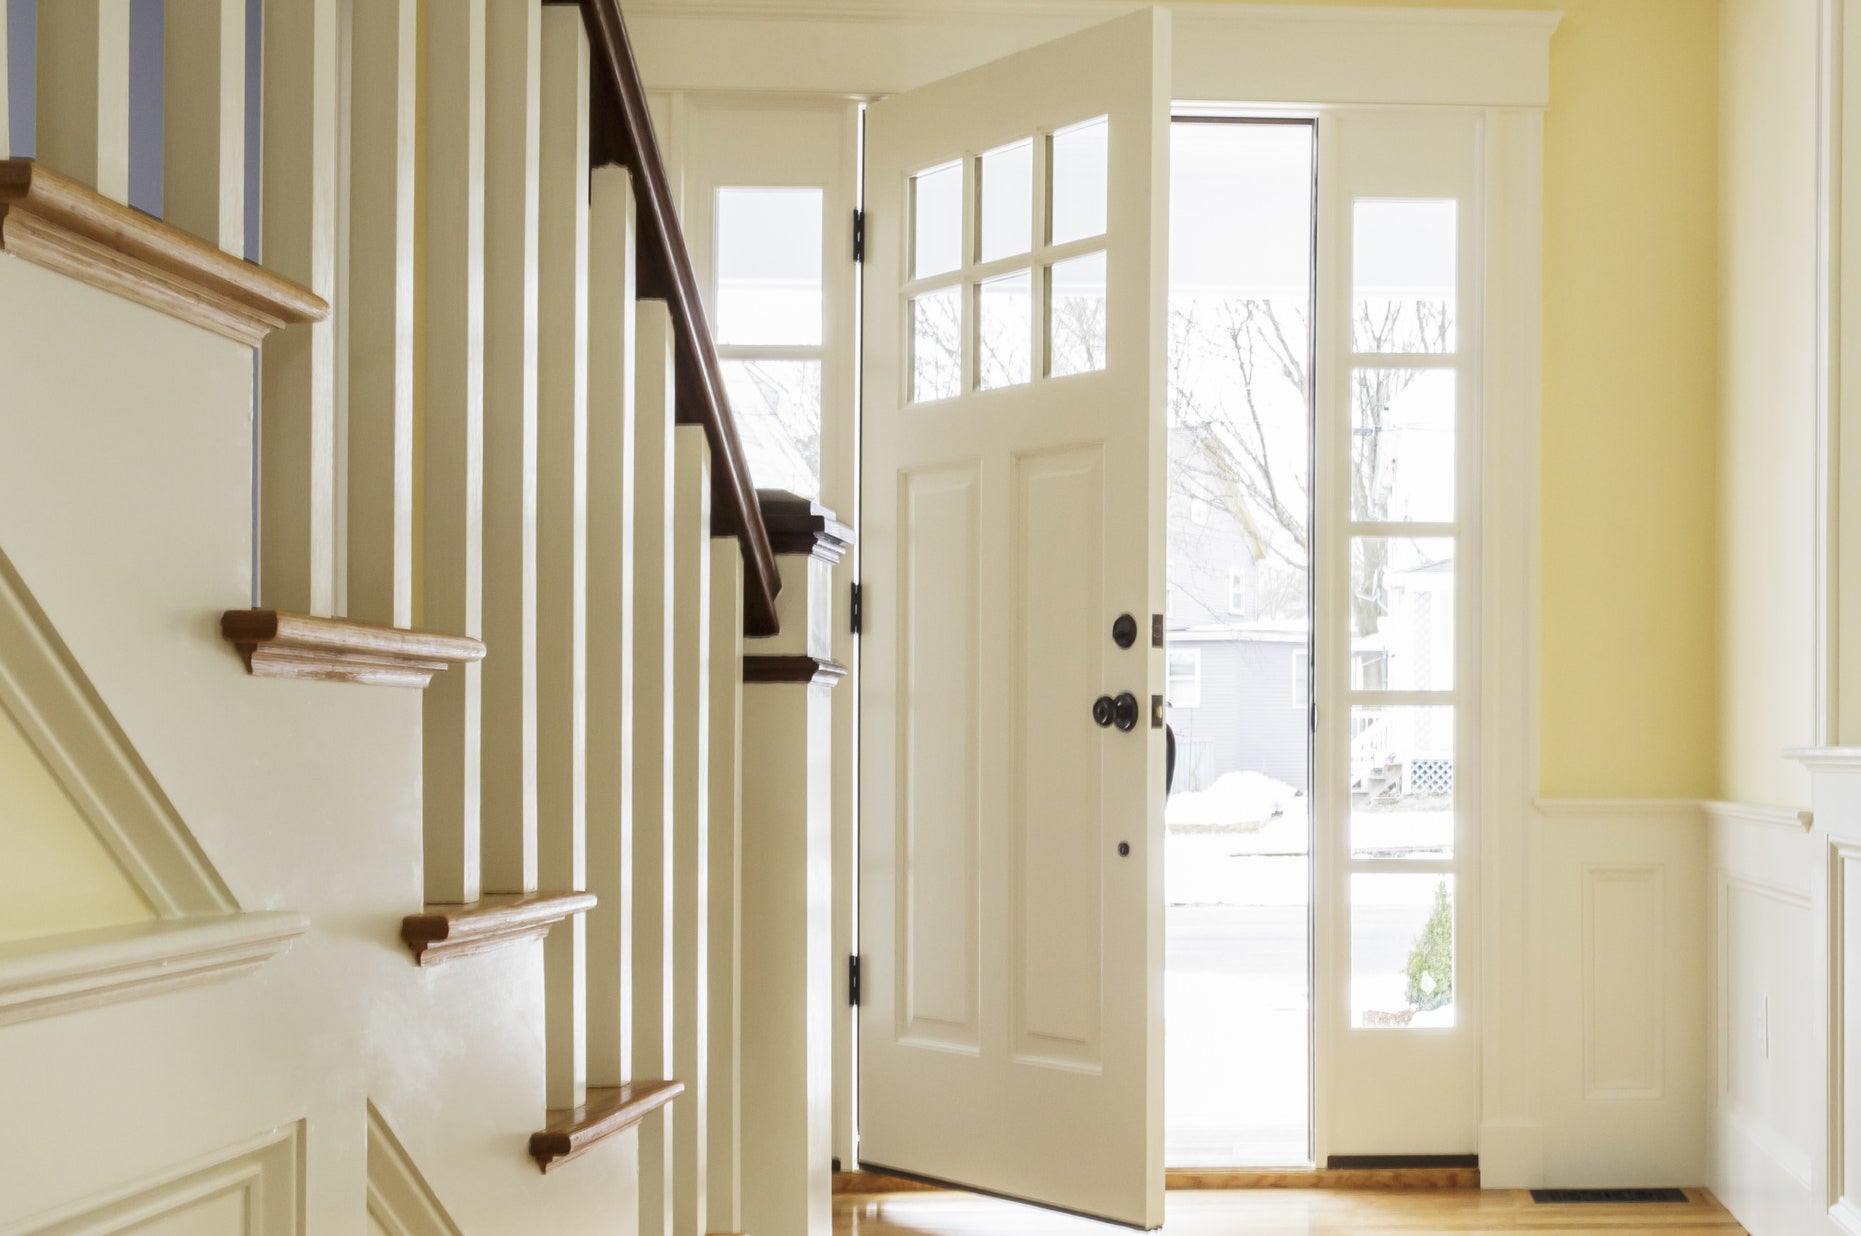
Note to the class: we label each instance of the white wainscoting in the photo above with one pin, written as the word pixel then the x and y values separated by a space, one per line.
pixel 1621 991
pixel 252 1189
pixel 1776 1114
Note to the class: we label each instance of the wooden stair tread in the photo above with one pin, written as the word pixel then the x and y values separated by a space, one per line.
pixel 442 932
pixel 62 224
pixel 280 645
pixel 608 1110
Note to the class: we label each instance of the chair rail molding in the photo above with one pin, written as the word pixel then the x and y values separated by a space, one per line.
pixel 1787 818
pixel 49 975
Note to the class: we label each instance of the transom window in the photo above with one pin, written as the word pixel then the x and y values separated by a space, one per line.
pixel 1006 264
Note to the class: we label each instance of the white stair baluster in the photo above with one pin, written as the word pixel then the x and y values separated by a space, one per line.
pixel 454 155
pixel 204 117
pixel 724 888
pixel 611 413
pixel 379 306
pixel 562 533
pixel 653 750
pixel 83 92
pixel 691 654
pixel 513 110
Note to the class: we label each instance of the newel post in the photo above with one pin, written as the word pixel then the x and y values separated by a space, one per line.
pixel 787 909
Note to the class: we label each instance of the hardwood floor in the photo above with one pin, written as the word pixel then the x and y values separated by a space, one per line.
pixel 1286 1212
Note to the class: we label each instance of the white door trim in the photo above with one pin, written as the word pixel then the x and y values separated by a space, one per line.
pixel 1317 57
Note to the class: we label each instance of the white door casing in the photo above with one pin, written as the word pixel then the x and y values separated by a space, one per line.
pixel 1011 1024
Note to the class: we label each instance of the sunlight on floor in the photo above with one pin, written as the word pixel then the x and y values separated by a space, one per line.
pixel 1287 1211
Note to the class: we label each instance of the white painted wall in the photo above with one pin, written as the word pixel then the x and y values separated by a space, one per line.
pixel 58 876
pixel 1767 203
pixel 124 502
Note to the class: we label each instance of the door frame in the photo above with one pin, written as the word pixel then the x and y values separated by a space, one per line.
pixel 1498 63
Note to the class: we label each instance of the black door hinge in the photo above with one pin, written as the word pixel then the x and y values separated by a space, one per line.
pixel 852 980
pixel 859 236
pixel 857 607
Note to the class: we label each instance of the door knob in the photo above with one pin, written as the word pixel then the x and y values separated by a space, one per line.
pixel 1124 711
pixel 1121 712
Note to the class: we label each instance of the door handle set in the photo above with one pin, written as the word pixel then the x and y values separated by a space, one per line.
pixel 1121 711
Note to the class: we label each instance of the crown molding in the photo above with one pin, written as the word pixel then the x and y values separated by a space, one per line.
pixel 1293 55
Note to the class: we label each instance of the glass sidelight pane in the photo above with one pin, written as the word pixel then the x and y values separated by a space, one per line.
pixel 937 220
pixel 1007 200
pixel 1402 271
pixel 936 344
pixel 1081 179
pixel 1402 613
pixel 1237 825
pixel 777 404
pixel 1076 315
pixel 1402 950
pixel 769 266
pixel 1402 445
pixel 1004 331
pixel 1402 782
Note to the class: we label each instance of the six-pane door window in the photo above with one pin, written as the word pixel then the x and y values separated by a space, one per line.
pixel 1005 278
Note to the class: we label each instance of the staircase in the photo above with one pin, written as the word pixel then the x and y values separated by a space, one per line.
pixel 495 464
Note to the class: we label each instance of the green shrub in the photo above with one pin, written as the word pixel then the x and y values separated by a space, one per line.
pixel 1431 960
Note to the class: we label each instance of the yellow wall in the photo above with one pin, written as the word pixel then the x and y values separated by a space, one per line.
pixel 1629 662
pixel 1629 675
pixel 55 875
pixel 1767 428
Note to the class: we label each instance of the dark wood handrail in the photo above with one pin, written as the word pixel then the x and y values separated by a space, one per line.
pixel 621 132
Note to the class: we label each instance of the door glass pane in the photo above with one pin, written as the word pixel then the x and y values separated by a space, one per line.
pixel 1402 782
pixel 1402 950
pixel 1402 613
pixel 1007 200
pixel 1237 825
pixel 937 220
pixel 1004 335
pixel 769 266
pixel 1080 181
pixel 1402 272
pixel 777 405
pixel 1402 445
pixel 1076 325
pixel 936 344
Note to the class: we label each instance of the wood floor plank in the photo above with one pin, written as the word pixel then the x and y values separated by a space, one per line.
pixel 1288 1212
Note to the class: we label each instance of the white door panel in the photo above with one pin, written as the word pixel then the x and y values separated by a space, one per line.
pixel 1011 1026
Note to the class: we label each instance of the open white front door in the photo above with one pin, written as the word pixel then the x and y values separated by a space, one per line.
pixel 1011 896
